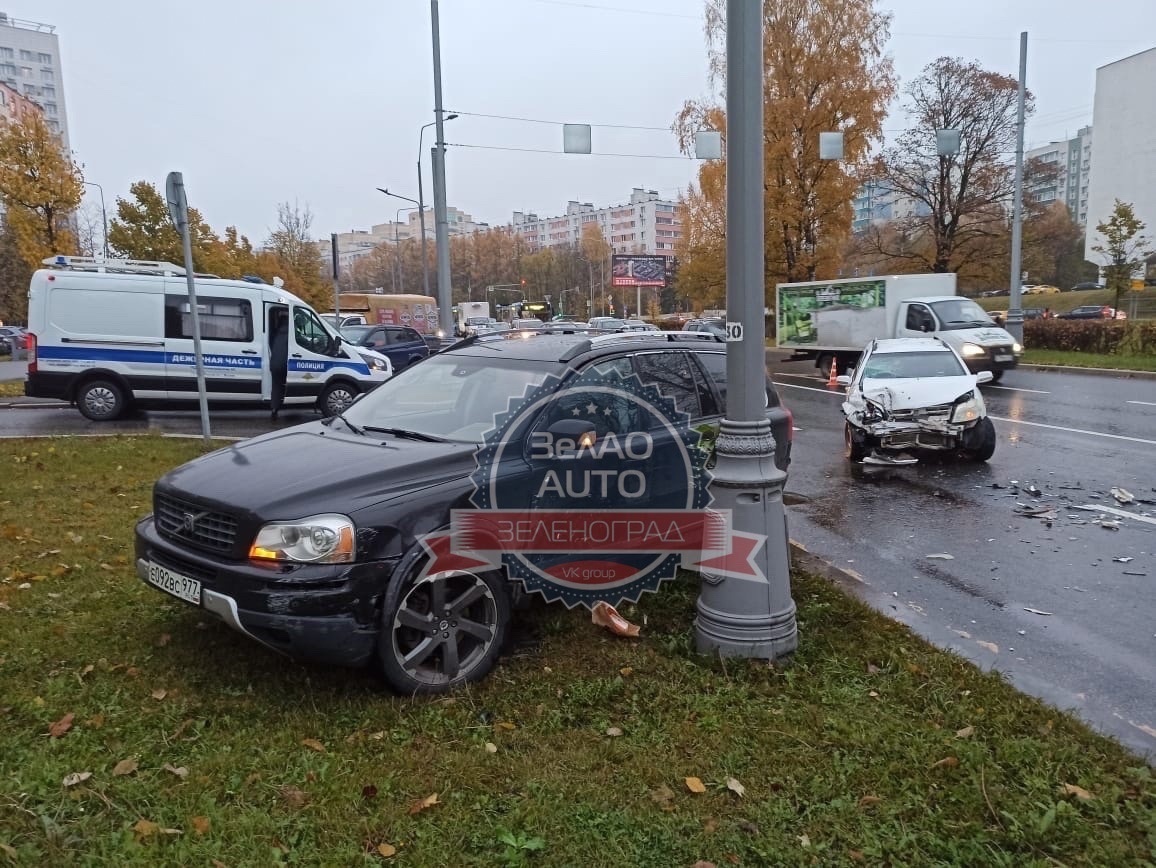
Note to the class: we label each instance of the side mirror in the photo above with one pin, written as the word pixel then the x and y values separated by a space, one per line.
pixel 334 346
pixel 984 377
pixel 579 432
pixel 843 380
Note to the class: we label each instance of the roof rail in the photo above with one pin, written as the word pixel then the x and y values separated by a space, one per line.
pixel 620 337
pixel 132 266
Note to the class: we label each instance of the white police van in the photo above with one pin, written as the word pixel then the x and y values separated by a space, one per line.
pixel 108 335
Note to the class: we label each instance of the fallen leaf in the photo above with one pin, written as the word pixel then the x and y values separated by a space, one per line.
pixel 124 767
pixel 385 851
pixel 947 762
pixel 1073 790
pixel 614 732
pixel 856 855
pixel 804 840
pixel 664 795
pixel 145 829
pixel 159 694
pixel 9 851
pixel 76 778
pixel 491 747
pixel 313 744
pixel 422 804
pixel 201 825
pixel 61 726
pixel 966 732
pixel 873 694
pixel 872 669
pixel 695 785
pixel 293 797
pixel 369 791
pixel 132 672
pixel 735 787
pixel 710 825
pixel 181 772
pixel 869 801
pixel 626 671
pixel 95 722
pixel 505 724
pixel 86 670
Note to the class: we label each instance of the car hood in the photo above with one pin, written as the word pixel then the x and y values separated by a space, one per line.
pixel 985 336
pixel 916 393
pixel 311 469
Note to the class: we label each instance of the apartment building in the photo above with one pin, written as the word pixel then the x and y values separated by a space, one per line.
pixel 30 65
pixel 14 105
pixel 876 203
pixel 647 223
pixel 353 245
pixel 1072 159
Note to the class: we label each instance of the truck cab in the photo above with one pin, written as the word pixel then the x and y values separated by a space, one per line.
pixel 964 325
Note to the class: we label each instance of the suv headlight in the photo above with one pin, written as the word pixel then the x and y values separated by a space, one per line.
pixel 966 408
pixel 375 364
pixel 320 539
pixel 972 351
pixel 1017 348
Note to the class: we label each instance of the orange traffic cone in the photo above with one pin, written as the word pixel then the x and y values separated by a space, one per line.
pixel 831 381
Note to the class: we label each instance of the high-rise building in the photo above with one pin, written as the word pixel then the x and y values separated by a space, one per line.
pixel 646 224
pixel 353 245
pixel 1072 159
pixel 30 65
pixel 1124 118
pixel 877 203
pixel 14 106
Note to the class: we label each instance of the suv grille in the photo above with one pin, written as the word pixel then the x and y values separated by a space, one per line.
pixel 188 522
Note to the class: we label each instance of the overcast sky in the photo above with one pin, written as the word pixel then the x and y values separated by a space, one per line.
pixel 261 101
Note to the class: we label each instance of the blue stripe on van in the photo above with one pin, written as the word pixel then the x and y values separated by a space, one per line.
pixel 318 367
pixel 212 360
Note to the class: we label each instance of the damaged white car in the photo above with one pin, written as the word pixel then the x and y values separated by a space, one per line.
pixel 912 394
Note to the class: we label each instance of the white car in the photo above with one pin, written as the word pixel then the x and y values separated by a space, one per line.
pixel 915 393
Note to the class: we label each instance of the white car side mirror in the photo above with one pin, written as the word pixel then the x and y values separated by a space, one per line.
pixel 984 377
pixel 843 380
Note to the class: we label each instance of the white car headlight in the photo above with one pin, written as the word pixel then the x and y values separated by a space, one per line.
pixel 374 363
pixel 966 409
pixel 320 539
pixel 972 351
pixel 1017 348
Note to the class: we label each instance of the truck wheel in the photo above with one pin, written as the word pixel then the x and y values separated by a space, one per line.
pixel 336 398
pixel 101 400
pixel 825 363
pixel 443 631
pixel 983 440
pixel 855 443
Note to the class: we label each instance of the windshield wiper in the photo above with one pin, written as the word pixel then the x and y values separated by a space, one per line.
pixel 359 431
pixel 406 434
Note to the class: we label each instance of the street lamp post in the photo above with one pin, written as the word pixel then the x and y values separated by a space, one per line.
pixel 739 614
pixel 397 245
pixel 103 213
pixel 399 210
pixel 421 201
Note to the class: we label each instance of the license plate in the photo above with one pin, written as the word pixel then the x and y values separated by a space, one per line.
pixel 181 587
pixel 1003 357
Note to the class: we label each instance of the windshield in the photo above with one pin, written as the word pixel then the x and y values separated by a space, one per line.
pixel 960 313
pixel 893 366
pixel 355 334
pixel 608 323
pixel 453 397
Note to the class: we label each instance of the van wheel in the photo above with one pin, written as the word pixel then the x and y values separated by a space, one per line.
pixel 982 440
pixel 444 631
pixel 825 363
pixel 101 400
pixel 336 398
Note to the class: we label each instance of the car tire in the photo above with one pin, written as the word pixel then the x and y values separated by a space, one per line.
pixel 101 400
pixel 336 398
pixel 421 654
pixel 856 443
pixel 983 440
pixel 996 376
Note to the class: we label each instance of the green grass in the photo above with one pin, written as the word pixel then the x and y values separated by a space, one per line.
pixel 11 388
pixel 872 747
pixel 1065 301
pixel 1089 360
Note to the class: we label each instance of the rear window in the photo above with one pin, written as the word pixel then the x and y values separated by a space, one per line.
pixel 221 319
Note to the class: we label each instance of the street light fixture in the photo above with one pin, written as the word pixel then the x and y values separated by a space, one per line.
pixel 103 213
pixel 396 245
pixel 421 199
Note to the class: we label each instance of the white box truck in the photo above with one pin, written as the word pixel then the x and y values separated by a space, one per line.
pixel 831 321
pixel 472 314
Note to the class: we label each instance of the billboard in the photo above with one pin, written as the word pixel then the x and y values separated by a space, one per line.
pixel 632 270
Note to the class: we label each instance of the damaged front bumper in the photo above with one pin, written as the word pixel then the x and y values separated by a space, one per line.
pixel 896 435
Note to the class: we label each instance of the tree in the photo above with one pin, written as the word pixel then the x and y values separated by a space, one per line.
pixel 15 274
pixel 959 199
pixel 1053 247
pixel 40 186
pixel 143 229
pixel 292 245
pixel 825 70
pixel 1124 248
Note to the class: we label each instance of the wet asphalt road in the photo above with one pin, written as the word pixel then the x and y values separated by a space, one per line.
pixel 1073 436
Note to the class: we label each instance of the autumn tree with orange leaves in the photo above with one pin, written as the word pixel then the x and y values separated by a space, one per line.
pixel 825 70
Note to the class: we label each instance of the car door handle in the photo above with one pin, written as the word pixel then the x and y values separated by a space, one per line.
pixel 297 355
pixel 249 352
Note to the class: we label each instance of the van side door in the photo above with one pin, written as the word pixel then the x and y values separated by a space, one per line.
pixel 311 366
pixel 230 343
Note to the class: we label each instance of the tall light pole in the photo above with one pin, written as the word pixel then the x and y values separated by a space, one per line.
pixel 737 614
pixel 103 213
pixel 1015 313
pixel 441 218
pixel 395 249
pixel 421 201
pixel 397 245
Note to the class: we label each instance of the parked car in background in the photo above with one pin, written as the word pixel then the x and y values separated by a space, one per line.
pixel 346 319
pixel 635 325
pixel 1091 284
pixel 1041 289
pixel 531 323
pixel 711 325
pixel 12 338
pixel 1093 311
pixel 403 345
pixel 607 323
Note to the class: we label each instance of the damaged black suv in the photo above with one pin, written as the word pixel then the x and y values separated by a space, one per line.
pixel 307 539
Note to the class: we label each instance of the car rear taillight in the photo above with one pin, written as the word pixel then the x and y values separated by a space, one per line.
pixel 30 342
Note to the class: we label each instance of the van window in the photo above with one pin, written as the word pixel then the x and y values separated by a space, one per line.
pixel 308 331
pixel 222 319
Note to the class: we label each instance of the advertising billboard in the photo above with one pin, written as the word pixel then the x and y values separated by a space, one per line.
pixel 632 270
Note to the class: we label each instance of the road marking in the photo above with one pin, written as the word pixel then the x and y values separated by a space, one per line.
pixel 1075 430
pixel 1144 403
pixel 1016 389
pixel 839 391
pixel 1111 510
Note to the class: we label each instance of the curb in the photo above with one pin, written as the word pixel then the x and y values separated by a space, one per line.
pixel 33 405
pixel 1095 372
pixel 809 562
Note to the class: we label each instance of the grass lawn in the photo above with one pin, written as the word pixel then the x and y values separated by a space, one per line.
pixel 1089 360
pixel 11 388
pixel 1063 302
pixel 197 747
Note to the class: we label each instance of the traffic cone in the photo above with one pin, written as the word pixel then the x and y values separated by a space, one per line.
pixel 831 381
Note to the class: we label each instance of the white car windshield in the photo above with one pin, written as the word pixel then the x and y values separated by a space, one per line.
pixel 450 397
pixel 904 366
pixel 961 313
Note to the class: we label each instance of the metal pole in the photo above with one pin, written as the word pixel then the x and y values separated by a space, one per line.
pixel 421 215
pixel 179 203
pixel 441 222
pixel 739 614
pixel 103 213
pixel 336 286
pixel 1015 314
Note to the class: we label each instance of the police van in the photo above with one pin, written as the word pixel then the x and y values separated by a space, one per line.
pixel 109 335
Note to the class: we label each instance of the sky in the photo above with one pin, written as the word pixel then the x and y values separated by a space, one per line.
pixel 264 101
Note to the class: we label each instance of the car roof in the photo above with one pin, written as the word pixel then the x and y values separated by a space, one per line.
pixel 557 346
pixel 911 345
pixel 935 298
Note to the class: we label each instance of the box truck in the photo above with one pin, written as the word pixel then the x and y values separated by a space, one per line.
pixel 470 314
pixel 831 321
pixel 419 312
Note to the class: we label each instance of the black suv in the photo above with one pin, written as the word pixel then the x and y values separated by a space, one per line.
pixel 307 539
